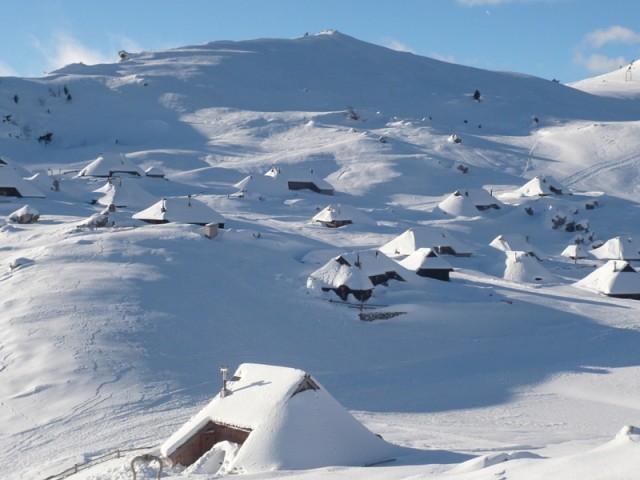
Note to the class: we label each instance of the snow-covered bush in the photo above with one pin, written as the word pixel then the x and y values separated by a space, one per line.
pixel 24 215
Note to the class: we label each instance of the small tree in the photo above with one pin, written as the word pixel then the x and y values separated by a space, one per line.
pixel 352 114
pixel 46 138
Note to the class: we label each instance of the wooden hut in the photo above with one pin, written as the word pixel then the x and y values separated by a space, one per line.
pixel 277 418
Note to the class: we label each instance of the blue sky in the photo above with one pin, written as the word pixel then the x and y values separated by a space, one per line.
pixel 563 39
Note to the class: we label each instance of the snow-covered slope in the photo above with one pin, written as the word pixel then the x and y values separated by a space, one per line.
pixel 112 337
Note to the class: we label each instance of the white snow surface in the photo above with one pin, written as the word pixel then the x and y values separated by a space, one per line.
pixel 112 337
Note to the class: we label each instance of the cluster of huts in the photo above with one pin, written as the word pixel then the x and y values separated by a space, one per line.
pixel 420 250
pixel 122 190
pixel 417 251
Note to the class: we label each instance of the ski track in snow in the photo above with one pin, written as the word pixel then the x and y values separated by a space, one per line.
pixel 599 169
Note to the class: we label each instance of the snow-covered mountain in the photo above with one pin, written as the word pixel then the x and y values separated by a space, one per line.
pixel 113 329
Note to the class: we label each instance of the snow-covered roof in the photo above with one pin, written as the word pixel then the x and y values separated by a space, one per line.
pixel 469 202
pixel 540 186
pixel 618 248
pixel 514 242
pixel 294 423
pixel 425 258
pixel 108 165
pixel 262 185
pixel 371 262
pixel 416 237
pixel 336 273
pixel 299 174
pixel 525 268
pixel 9 179
pixel 341 213
pixel 180 210
pixel 277 182
pixel 123 193
pixel 154 172
pixel 573 251
pixel 616 277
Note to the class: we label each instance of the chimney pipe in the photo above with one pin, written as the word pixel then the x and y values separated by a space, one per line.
pixel 224 369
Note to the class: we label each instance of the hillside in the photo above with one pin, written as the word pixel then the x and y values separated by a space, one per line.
pixel 113 336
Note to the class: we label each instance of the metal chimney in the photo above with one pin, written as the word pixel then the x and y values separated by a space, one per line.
pixel 224 370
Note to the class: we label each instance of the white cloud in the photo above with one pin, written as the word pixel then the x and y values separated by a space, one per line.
pixel 6 70
pixel 444 58
pixel 397 45
pixel 613 34
pixel 63 49
pixel 597 63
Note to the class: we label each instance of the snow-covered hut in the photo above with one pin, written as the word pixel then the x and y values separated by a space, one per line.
pixel 335 216
pixel 121 194
pixel 375 264
pixel 515 242
pixel 343 278
pixel 524 267
pixel 270 418
pixel 109 165
pixel 154 172
pixel 260 186
pixel 469 202
pixel 180 210
pixel 541 186
pixel 298 180
pixel 618 248
pixel 441 241
pixel 616 278
pixel 574 252
pixel 275 182
pixel 12 185
pixel 426 263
